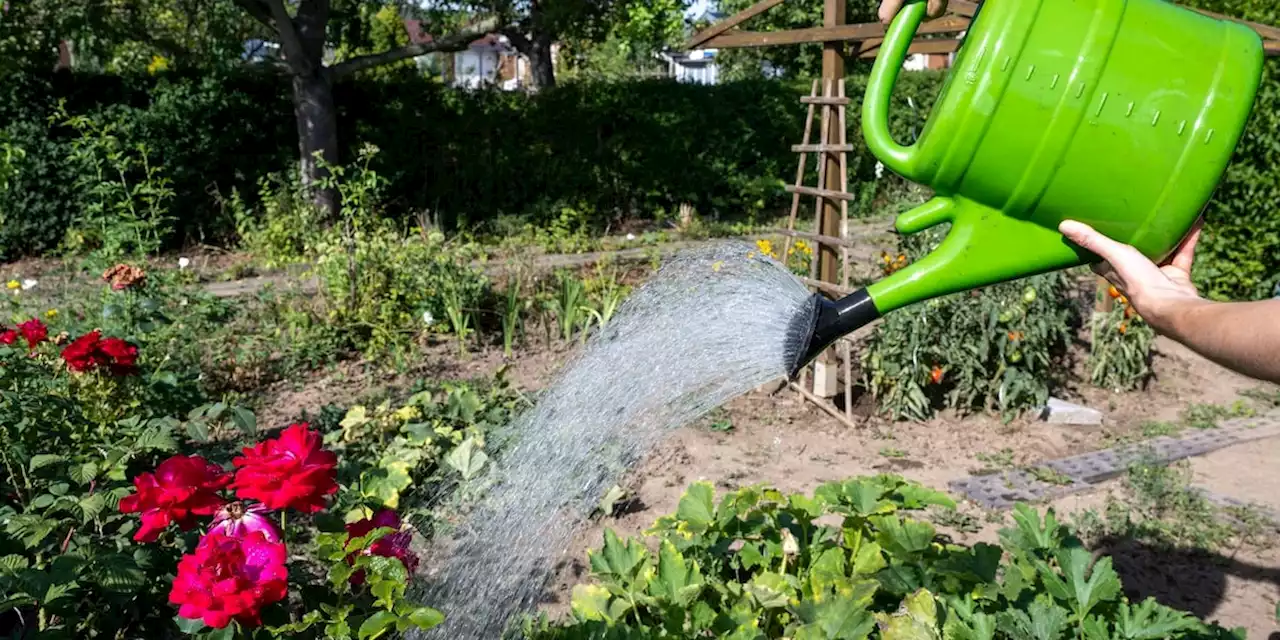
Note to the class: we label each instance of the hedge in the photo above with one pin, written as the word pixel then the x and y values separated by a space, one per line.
pixel 634 149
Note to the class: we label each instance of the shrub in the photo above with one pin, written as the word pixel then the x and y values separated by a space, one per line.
pixel 997 348
pixel 761 564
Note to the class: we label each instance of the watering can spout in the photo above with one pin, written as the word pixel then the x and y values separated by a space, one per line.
pixel 823 322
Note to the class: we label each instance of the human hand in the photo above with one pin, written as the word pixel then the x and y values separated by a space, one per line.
pixel 890 8
pixel 1156 292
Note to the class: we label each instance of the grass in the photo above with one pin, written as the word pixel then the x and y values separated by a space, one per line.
pixel 1208 415
pixel 1161 508
pixel 993 463
pixel 892 453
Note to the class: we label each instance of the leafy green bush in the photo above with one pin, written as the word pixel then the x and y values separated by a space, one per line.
pixel 385 287
pixel 994 349
pixel 762 564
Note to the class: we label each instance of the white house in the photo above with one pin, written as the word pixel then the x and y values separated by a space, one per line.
pixel 696 67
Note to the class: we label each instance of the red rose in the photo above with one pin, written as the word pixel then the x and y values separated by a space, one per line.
pixel 8 337
pixel 91 351
pixel 80 354
pixel 34 332
pixel 119 356
pixel 181 488
pixel 289 472
pixel 393 545
pixel 230 578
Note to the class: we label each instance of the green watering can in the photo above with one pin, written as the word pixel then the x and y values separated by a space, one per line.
pixel 1122 114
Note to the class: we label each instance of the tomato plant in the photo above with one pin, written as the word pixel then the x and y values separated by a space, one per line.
pixel 993 349
pixel 1120 351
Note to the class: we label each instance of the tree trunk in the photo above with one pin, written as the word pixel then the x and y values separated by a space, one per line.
pixel 540 61
pixel 317 117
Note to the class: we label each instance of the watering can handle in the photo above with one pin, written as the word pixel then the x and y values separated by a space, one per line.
pixel 884 74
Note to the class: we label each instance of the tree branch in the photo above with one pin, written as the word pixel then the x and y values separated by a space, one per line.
pixel 258 10
pixel 454 42
pixel 289 40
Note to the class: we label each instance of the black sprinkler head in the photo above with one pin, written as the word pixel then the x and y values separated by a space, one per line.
pixel 824 321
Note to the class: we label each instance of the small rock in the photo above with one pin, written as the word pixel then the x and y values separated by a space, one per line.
pixel 1063 412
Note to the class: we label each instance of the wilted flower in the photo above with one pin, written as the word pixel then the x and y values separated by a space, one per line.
pixel 238 520
pixel 427 318
pixel 29 284
pixel 183 263
pixel 123 276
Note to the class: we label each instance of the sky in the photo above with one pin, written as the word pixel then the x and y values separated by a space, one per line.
pixel 698 7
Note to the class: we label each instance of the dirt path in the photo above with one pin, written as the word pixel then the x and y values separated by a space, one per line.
pixel 872 237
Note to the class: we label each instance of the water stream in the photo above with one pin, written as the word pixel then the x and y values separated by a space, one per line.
pixel 712 324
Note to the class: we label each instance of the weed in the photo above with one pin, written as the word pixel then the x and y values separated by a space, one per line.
pixel 1001 460
pixel 890 452
pixel 1207 415
pixel 955 519
pixel 1049 475
pixel 1267 396
pixel 1162 508
pixel 1156 429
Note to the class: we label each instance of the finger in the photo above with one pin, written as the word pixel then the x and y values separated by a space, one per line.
pixel 1085 236
pixel 1131 269
pixel 1184 256
pixel 937 8
pixel 889 9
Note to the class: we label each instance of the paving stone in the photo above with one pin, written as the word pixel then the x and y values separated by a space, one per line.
pixel 1063 412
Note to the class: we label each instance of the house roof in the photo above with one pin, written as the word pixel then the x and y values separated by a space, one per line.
pixel 418 36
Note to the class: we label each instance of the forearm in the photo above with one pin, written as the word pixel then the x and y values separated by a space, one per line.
pixel 1244 336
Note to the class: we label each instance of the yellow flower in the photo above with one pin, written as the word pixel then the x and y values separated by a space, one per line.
pixel 803 247
pixel 51 314
pixel 158 64
pixel 14 284
pixel 766 247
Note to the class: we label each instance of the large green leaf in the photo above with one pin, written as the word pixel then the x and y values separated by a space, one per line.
pixel 696 507
pixel 591 602
pixel 376 625
pixel 916 619
pixel 618 558
pixel 838 619
pixel 677 580
pixel 771 590
pixel 467 459
pixel 902 537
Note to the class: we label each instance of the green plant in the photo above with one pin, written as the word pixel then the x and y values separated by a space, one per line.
pixel 996 349
pixel 1160 507
pixel 280 230
pixel 1207 415
pixel 892 453
pixel 568 305
pixel 394 452
pixel 10 156
pixel 759 565
pixel 378 281
pixel 126 213
pixel 605 294
pixel 1120 350
pixel 512 311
